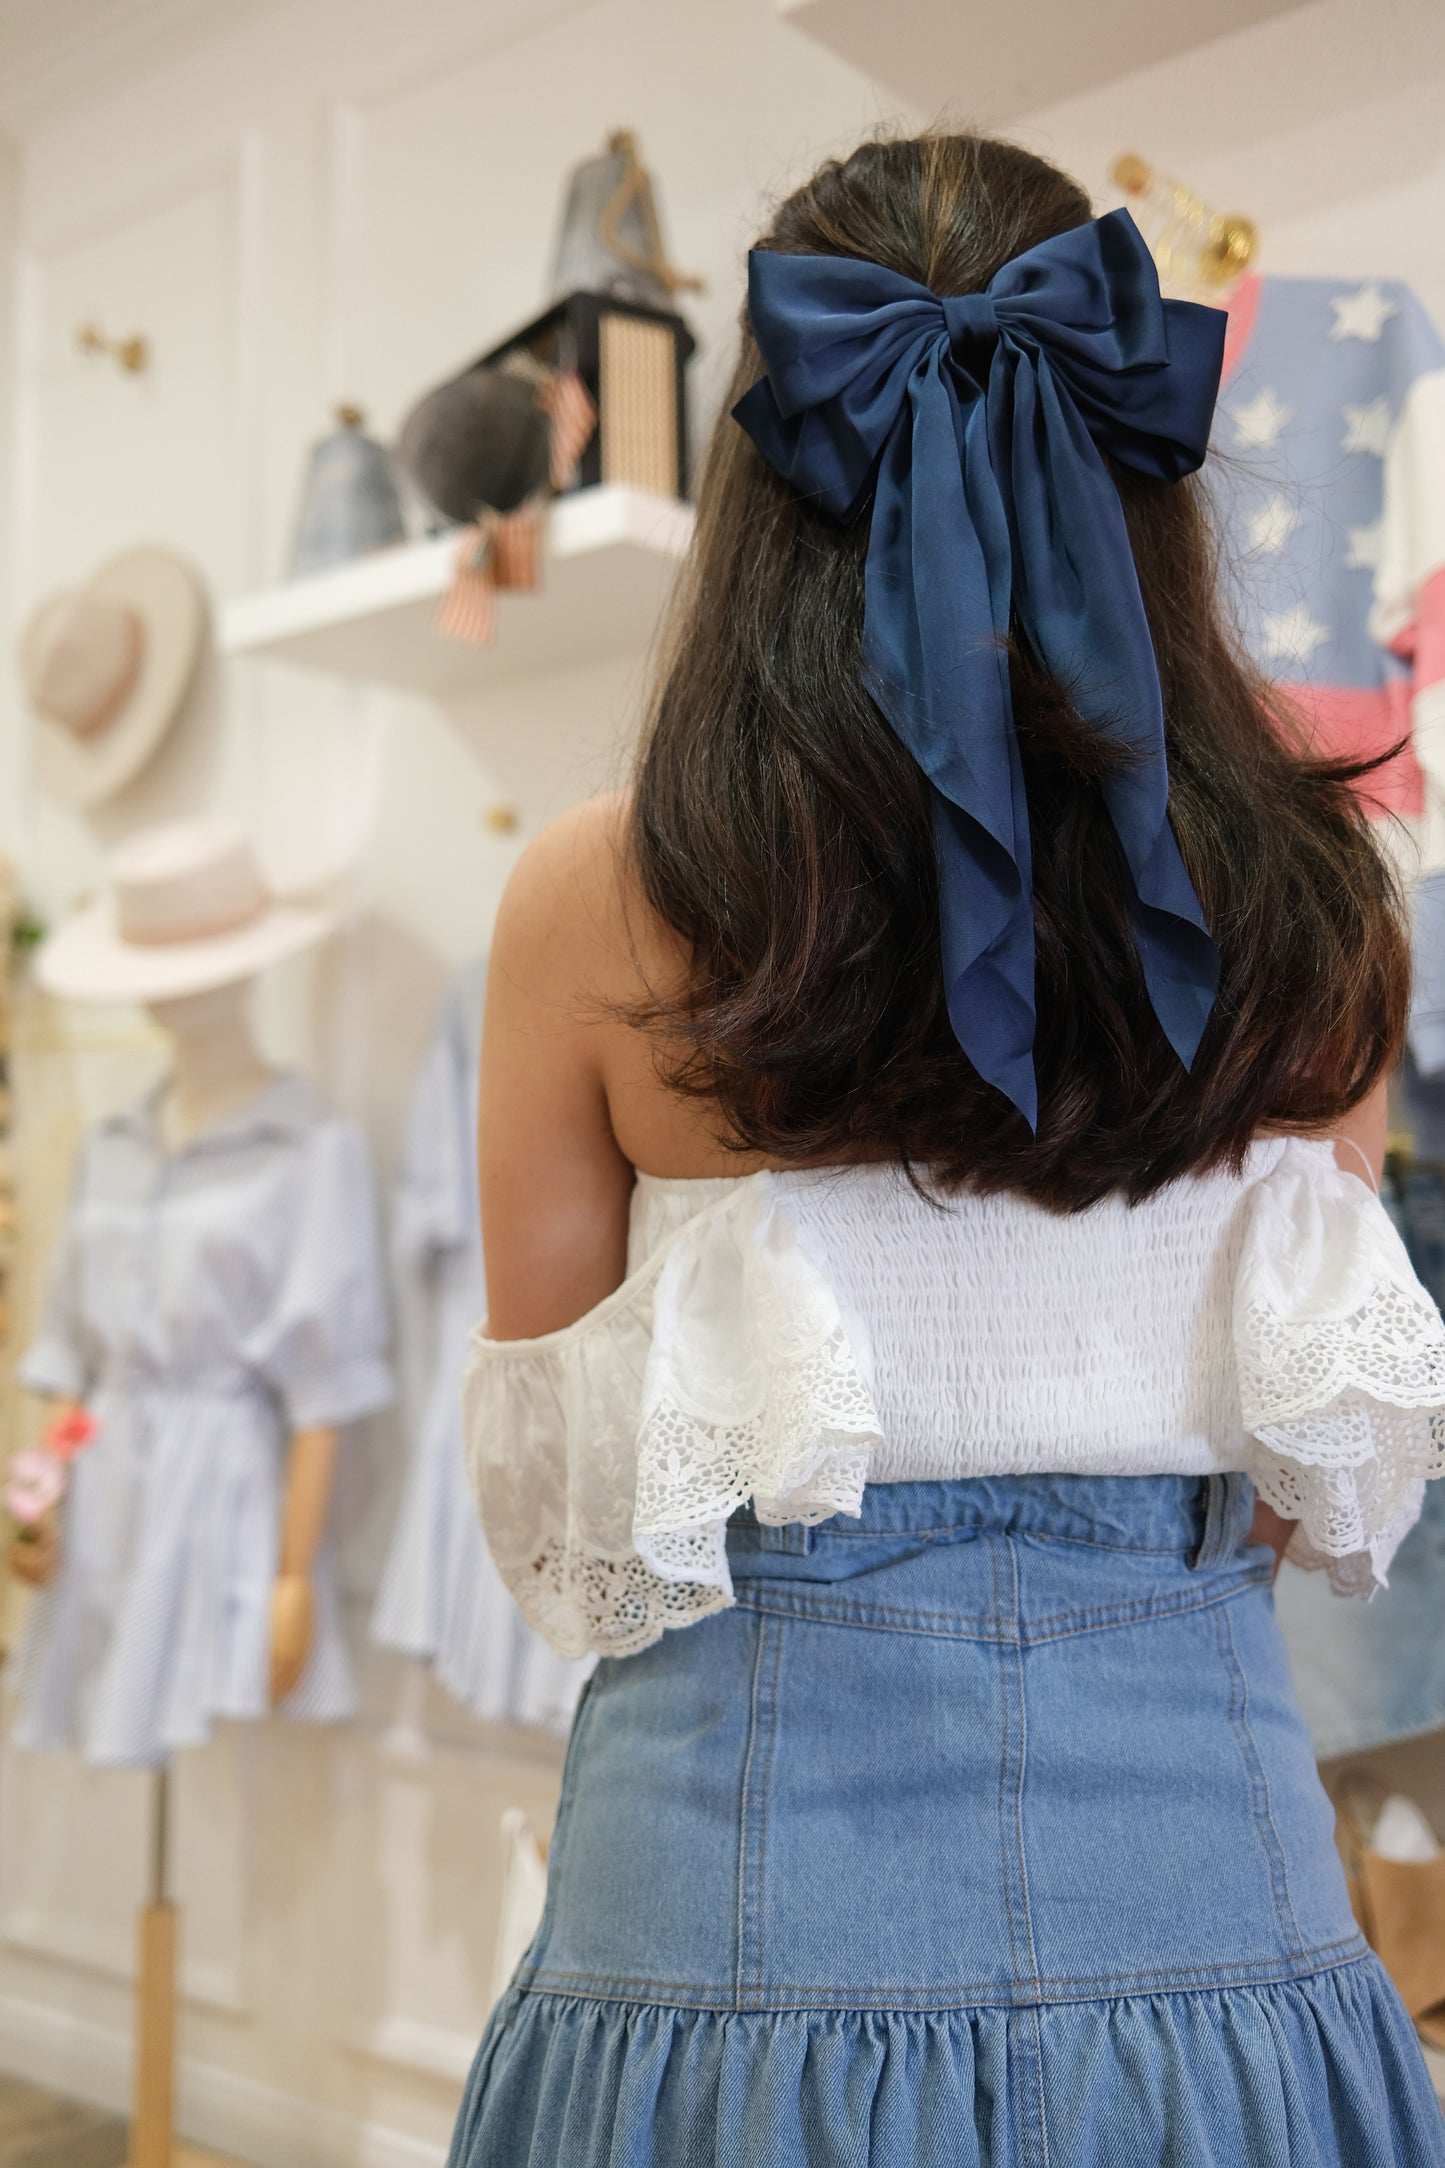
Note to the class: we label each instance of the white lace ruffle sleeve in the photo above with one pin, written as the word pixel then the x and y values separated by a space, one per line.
pixel 783 1338
pixel 607 1457
pixel 1341 1356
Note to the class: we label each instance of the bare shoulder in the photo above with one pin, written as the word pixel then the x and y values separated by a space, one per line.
pixel 577 947
pixel 574 929
pixel 562 887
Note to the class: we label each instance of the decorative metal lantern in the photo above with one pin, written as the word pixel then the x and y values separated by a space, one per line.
pixel 349 502
pixel 611 237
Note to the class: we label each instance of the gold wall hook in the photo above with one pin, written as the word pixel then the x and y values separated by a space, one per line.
pixel 1195 246
pixel 1131 173
pixel 1228 251
pixel 133 355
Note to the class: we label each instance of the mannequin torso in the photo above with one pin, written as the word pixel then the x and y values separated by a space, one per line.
pixel 217 1070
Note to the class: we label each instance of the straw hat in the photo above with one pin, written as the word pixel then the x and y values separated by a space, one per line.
pixel 187 910
pixel 106 669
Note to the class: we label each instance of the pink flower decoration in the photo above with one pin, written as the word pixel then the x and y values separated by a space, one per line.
pixel 34 1483
pixel 70 1433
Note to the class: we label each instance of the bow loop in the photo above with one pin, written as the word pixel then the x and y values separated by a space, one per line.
pixel 992 503
pixel 972 321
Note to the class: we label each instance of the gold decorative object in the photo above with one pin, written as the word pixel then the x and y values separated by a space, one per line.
pixel 1130 173
pixel 500 818
pixel 132 355
pixel 1198 249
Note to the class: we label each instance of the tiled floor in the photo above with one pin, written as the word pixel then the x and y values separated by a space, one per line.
pixel 38 2130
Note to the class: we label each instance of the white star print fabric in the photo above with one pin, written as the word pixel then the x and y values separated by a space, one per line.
pixel 1361 315
pixel 1259 420
pixel 1331 483
pixel 1332 427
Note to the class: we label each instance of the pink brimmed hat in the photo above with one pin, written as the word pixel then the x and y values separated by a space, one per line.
pixel 187 910
pixel 106 669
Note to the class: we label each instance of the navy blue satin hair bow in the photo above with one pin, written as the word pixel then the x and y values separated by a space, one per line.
pixel 977 422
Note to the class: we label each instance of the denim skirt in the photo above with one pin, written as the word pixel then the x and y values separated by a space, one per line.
pixel 984 1829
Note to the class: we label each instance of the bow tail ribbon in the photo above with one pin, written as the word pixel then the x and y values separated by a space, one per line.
pixel 1078 600
pixel 926 661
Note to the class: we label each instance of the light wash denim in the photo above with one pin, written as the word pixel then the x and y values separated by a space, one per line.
pixel 983 1832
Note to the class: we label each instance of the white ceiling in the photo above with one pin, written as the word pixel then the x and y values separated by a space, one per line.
pixel 994 60
pixel 58 53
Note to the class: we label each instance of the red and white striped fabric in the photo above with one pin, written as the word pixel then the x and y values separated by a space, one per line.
pixel 570 408
pixel 506 550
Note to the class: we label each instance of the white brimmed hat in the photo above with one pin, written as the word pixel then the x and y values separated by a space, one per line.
pixel 187 910
pixel 106 669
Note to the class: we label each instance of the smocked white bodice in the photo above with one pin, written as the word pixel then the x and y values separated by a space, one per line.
pixel 785 1338
pixel 1003 1337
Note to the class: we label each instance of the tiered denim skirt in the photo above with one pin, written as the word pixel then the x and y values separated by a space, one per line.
pixel 983 1832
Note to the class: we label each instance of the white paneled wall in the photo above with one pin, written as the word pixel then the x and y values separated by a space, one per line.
pixel 318 199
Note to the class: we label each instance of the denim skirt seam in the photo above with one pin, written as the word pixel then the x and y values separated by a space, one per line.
pixel 780 1600
pixel 1257 1777
pixel 1032 2108
pixel 744 1541
pixel 557 1846
pixel 753 1834
pixel 1012 1763
pixel 1023 1994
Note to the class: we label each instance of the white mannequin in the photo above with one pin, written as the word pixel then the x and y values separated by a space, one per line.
pixel 216 1067
pixel 216 1070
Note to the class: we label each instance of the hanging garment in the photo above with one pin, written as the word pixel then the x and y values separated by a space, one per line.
pixel 1370 1673
pixel 441 1598
pixel 1329 474
pixel 205 1303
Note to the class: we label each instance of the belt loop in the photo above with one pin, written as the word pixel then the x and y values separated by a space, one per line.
pixel 789 1536
pixel 1226 1500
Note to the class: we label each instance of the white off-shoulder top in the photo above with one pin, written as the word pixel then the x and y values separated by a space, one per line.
pixel 785 1339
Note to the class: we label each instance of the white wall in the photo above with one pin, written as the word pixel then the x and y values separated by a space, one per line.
pixel 338 198
pixel 347 198
pixel 1323 125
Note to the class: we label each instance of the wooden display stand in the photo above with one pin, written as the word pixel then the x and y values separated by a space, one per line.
pixel 153 2115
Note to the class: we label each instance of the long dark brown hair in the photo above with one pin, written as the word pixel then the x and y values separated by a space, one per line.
pixel 781 829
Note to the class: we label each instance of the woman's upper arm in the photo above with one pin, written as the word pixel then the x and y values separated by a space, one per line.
pixel 555 1187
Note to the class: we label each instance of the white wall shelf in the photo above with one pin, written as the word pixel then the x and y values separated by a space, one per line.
pixel 609 560
pixel 993 64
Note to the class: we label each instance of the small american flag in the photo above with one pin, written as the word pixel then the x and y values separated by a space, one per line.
pixel 505 550
pixel 569 406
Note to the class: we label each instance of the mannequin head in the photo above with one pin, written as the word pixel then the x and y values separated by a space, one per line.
pixel 216 1065
pixel 214 1014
